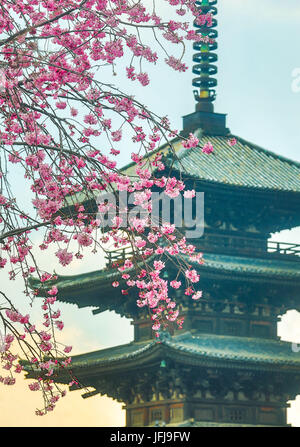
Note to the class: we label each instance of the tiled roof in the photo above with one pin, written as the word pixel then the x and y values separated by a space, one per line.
pixel 75 288
pixel 245 349
pixel 244 164
pixel 285 269
pixel 115 354
pixel 206 349
pixel 76 282
pixel 83 283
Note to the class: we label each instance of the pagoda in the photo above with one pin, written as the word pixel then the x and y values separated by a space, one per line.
pixel 227 366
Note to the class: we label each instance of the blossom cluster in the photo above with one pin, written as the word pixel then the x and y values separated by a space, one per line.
pixel 63 127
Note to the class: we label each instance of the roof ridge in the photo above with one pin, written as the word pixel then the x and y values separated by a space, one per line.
pixel 141 347
pixel 182 152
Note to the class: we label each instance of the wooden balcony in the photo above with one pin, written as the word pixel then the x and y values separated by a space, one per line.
pixel 284 248
pixel 118 256
pixel 235 245
pixel 247 246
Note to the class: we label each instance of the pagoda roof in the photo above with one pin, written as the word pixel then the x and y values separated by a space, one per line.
pixel 209 350
pixel 275 268
pixel 242 165
pixel 203 347
pixel 82 289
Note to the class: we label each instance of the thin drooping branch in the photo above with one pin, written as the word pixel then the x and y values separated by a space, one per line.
pixel 63 125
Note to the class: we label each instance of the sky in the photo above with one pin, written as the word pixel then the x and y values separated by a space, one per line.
pixel 258 55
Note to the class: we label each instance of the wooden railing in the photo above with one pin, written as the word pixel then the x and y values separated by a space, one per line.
pixel 222 244
pixel 251 246
pixel 284 248
pixel 118 256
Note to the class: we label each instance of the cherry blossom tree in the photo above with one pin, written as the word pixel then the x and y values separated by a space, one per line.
pixel 61 127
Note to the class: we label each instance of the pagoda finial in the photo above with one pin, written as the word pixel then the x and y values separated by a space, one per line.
pixel 205 58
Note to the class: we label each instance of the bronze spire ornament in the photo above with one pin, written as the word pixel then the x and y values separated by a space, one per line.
pixel 205 57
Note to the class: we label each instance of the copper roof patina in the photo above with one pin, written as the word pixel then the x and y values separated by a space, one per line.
pixel 87 289
pixel 243 165
pixel 196 349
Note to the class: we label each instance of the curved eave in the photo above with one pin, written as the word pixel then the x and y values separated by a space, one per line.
pixel 238 189
pixel 217 178
pixel 95 288
pixel 182 153
pixel 74 283
pixel 244 166
pixel 261 269
pixel 98 280
pixel 197 350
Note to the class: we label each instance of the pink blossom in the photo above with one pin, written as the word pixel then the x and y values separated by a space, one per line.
pixel 2 199
pixel 175 284
pixel 192 275
pixel 53 291
pixel 152 238
pixel 46 347
pixel 130 73
pixel 68 349
pixel 140 243
pixel 45 336
pixel 143 78
pixel 84 239
pixel 232 141
pixel 61 105
pixel 9 338
pixel 90 119
pixel 197 295
pixel 207 148
pixel 191 142
pixel 189 194
pixel 59 324
pixel 35 386
pixel 159 265
pixel 117 135
pixel 67 162
pixel 74 112
pixel 172 315
pixel 64 256
pixel 176 64
pixel 9 381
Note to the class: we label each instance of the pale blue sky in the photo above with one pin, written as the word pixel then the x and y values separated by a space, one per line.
pixel 258 49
